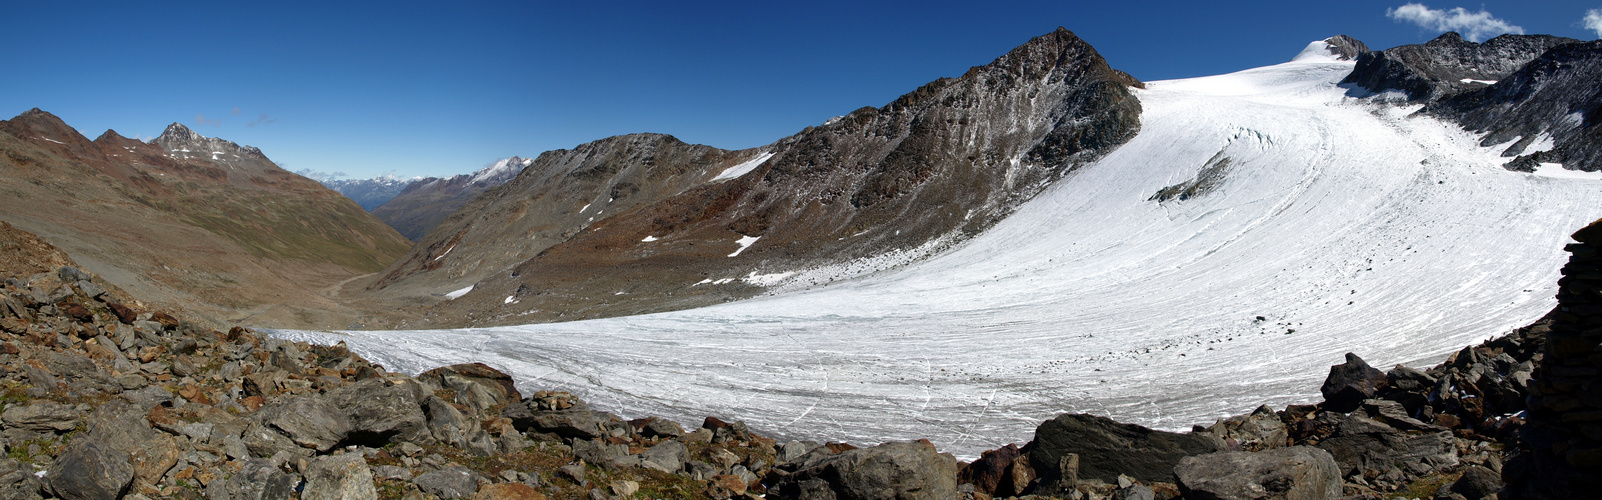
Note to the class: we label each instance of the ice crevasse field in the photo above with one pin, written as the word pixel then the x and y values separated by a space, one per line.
pixel 1322 224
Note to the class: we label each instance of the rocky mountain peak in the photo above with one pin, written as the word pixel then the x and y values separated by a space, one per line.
pixel 1448 64
pixel 1346 48
pixel 182 141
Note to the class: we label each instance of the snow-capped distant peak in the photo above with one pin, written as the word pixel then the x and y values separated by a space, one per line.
pixel 1317 51
pixel 502 170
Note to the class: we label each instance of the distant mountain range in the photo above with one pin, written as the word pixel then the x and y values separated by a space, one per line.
pixel 369 193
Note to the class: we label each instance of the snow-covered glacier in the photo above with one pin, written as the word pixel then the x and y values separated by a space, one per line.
pixel 1303 224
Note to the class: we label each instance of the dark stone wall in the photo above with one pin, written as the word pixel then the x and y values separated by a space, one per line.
pixel 1562 455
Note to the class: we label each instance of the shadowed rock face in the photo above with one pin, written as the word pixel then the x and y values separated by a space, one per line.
pixel 933 167
pixel 1448 64
pixel 1554 94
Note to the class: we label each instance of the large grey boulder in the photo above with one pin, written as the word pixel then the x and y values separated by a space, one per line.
pixel 1360 444
pixel 1294 473
pixel 1259 430
pixel 576 422
pixel 890 471
pixel 41 416
pixel 257 479
pixel 449 482
pixel 123 427
pixel 475 385
pixel 17 481
pixel 669 457
pixel 339 477
pixel 1107 448
pixel 446 423
pixel 308 421
pixel 89 470
pixel 383 410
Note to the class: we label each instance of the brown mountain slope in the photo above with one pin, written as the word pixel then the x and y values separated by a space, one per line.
pixel 930 169
pixel 553 198
pixel 199 224
pixel 427 202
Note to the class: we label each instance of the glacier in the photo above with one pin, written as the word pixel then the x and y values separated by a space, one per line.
pixel 1337 224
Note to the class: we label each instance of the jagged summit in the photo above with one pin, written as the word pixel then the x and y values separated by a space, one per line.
pixel 1335 48
pixel 1448 64
pixel 501 171
pixel 183 142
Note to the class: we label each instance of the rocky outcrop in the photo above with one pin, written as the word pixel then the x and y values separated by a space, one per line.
pixel 1554 98
pixel 1447 65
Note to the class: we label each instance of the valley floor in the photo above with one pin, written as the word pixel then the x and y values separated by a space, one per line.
pixel 1315 224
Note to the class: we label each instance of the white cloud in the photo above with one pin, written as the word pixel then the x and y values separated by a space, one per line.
pixel 1474 26
pixel 1593 21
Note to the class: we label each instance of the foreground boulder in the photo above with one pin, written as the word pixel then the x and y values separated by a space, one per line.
pixel 474 385
pixel 1360 444
pixel 89 470
pixel 890 471
pixel 1350 383
pixel 1107 449
pixel 1294 473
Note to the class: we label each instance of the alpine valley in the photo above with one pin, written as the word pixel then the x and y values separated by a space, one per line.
pixel 1042 234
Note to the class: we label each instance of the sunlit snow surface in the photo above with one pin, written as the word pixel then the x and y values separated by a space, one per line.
pixel 1354 225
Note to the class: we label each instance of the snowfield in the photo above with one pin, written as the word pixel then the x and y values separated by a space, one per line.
pixel 1325 224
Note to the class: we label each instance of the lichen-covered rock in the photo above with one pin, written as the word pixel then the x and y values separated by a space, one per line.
pixel 383 410
pixel 449 482
pixel 477 385
pixel 40 416
pixel 257 479
pixel 1294 473
pixel 339 477
pixel 890 471
pixel 90 470
pixel 308 421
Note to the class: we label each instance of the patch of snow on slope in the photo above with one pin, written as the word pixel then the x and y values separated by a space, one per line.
pixel 1359 227
pixel 766 280
pixel 1556 171
pixel 742 168
pixel 744 242
pixel 459 292
pixel 649 239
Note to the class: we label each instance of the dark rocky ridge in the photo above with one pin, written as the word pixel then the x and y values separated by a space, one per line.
pixel 1439 67
pixel 1556 93
pixel 945 161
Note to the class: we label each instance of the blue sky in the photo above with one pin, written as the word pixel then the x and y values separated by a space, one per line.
pixel 441 88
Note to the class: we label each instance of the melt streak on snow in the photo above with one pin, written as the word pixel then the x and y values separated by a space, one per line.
pixel 1344 225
